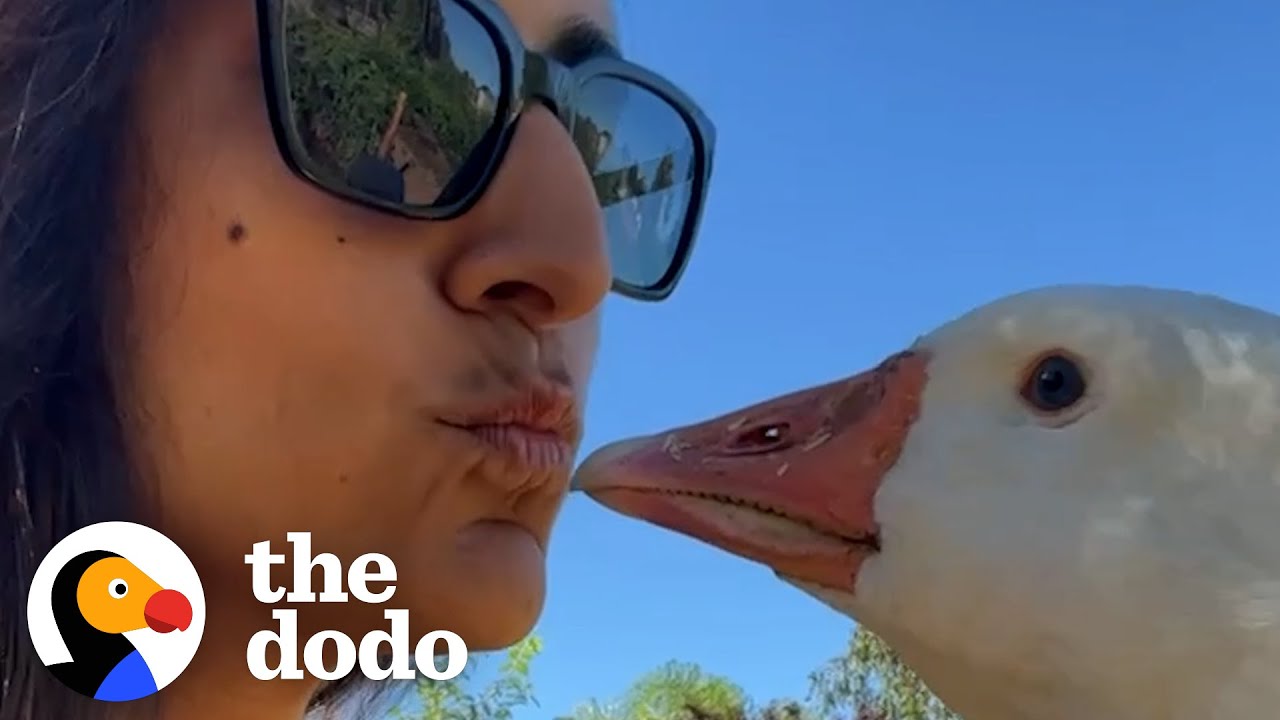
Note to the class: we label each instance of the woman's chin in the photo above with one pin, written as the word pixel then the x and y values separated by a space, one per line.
pixel 492 592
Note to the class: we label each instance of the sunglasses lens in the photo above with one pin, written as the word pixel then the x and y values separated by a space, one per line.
pixel 390 98
pixel 641 155
pixel 399 100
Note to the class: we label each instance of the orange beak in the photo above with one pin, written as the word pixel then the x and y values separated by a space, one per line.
pixel 790 482
pixel 168 610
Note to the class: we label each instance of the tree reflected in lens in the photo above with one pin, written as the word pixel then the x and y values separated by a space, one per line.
pixel 390 96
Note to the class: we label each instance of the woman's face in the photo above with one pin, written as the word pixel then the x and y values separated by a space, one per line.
pixel 295 361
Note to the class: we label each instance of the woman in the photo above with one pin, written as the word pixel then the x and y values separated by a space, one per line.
pixel 281 265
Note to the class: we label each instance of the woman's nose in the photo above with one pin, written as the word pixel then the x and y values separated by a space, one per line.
pixel 534 246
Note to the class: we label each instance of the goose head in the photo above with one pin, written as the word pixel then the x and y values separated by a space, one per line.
pixel 1063 504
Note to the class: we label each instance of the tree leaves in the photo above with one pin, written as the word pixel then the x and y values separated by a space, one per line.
pixel 869 681
pixel 498 700
pixel 866 682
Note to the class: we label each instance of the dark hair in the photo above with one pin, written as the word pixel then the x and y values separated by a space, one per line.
pixel 66 69
pixel 67 75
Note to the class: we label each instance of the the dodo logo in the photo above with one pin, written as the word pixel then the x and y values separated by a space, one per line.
pixel 116 611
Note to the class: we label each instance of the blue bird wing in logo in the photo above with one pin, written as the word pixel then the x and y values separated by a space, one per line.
pixel 130 679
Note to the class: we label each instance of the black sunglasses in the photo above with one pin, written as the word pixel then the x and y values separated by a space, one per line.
pixel 408 106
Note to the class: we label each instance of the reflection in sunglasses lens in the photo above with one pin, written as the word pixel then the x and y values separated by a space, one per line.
pixel 391 98
pixel 399 100
pixel 640 153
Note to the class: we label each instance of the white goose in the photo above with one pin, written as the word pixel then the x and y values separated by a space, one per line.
pixel 1064 505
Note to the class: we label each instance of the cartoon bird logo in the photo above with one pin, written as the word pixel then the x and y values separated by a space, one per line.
pixel 111 616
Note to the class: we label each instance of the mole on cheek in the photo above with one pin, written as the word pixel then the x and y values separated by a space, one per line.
pixel 236 232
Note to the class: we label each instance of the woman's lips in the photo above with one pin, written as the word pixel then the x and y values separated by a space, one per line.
pixel 535 428
pixel 529 447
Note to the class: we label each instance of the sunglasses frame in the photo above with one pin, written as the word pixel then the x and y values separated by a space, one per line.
pixel 528 78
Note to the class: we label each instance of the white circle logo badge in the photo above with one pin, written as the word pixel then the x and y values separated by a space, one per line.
pixel 116 611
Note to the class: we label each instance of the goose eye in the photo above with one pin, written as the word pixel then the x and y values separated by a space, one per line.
pixel 118 588
pixel 764 437
pixel 1054 384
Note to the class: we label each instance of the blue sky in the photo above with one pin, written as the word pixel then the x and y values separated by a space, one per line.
pixel 884 166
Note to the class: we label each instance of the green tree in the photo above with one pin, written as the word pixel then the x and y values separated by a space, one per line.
pixel 869 681
pixel 497 701
pixel 674 691
pixel 348 66
pixel 677 687
pixel 684 691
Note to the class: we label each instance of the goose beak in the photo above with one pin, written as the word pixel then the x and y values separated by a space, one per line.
pixel 789 483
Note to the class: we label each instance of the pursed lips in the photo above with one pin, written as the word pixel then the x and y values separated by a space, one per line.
pixel 537 429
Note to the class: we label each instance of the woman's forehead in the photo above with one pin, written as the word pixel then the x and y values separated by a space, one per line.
pixel 540 21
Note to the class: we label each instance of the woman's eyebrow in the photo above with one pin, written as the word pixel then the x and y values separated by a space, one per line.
pixel 579 39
